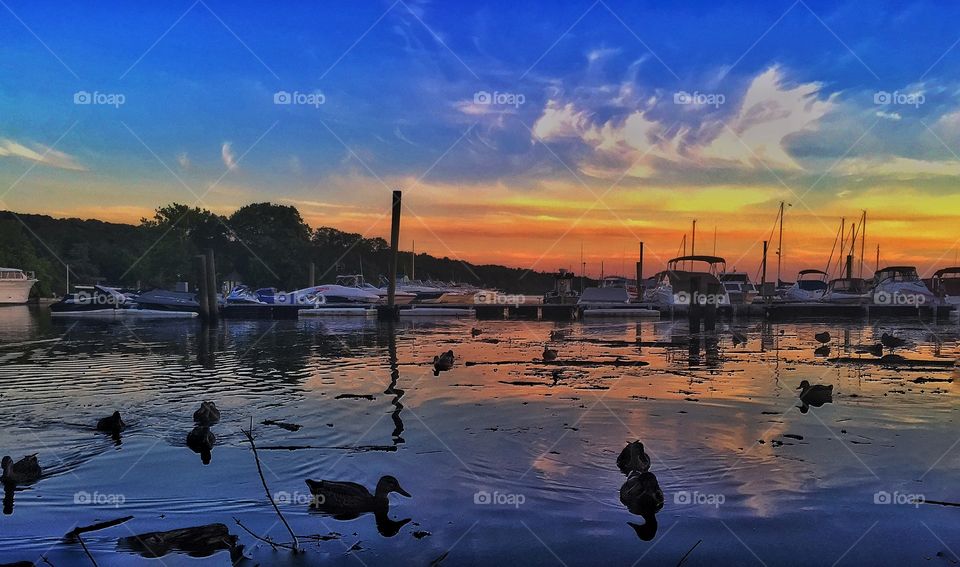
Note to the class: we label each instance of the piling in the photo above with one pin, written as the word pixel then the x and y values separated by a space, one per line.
pixel 312 278
pixel 640 288
pixel 694 312
pixel 710 309
pixel 212 304
pixel 202 287
pixel 391 311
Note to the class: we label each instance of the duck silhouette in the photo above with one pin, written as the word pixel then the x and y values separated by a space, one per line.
pixel 349 500
pixel 549 354
pixel 633 459
pixel 641 494
pixel 201 440
pixel 875 350
pixel 822 351
pixel 443 362
pixel 112 424
pixel 814 395
pixel 891 342
pixel 24 471
pixel 823 337
pixel 557 335
pixel 207 414
pixel 475 332
pixel 738 338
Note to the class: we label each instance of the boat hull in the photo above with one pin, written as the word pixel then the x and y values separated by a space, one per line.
pixel 13 292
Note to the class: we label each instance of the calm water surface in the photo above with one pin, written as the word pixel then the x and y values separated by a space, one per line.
pixel 504 457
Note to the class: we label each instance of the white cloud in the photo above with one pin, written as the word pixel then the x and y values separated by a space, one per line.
pixel 40 154
pixel 184 160
pixel 229 159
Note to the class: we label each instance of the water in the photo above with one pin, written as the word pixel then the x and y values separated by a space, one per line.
pixel 502 460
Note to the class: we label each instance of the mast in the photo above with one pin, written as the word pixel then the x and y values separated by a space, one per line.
pixel 780 245
pixel 693 242
pixel 863 239
pixel 413 261
pixel 714 240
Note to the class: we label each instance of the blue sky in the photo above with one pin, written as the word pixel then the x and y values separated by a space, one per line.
pixel 598 82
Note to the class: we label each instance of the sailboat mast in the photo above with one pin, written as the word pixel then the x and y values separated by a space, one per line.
pixel 863 239
pixel 693 242
pixel 413 261
pixel 780 245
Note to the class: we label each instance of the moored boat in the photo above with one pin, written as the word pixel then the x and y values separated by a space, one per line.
pixel 809 287
pixel 15 285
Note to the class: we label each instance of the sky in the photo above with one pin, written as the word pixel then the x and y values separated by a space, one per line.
pixel 520 132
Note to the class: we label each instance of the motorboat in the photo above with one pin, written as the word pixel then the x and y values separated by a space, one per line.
pixel 164 300
pixel 562 292
pixel 809 287
pixel 339 294
pixel 604 297
pixel 15 285
pixel 847 291
pixel 622 282
pixel 945 285
pixel 738 287
pixel 400 296
pixel 673 285
pixel 900 285
pixel 242 295
pixel 100 301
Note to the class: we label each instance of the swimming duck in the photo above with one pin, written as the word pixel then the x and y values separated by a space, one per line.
pixel 891 341
pixel 207 414
pixel 201 440
pixel 633 459
pixel 24 471
pixel 823 337
pixel 815 395
pixel 875 350
pixel 475 332
pixel 738 338
pixel 549 354
pixel 443 362
pixel 641 494
pixel 111 424
pixel 557 335
pixel 349 499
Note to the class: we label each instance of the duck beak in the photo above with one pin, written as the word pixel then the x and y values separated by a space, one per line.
pixel 400 490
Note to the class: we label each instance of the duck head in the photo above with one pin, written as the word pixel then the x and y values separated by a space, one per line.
pixel 6 462
pixel 388 484
pixel 804 385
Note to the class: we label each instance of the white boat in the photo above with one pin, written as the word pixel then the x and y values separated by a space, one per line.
pixel 337 294
pixel 103 302
pixel 738 287
pixel 400 296
pixel 945 284
pixel 846 291
pixel 604 297
pixel 673 285
pixel 900 285
pixel 809 287
pixel 15 285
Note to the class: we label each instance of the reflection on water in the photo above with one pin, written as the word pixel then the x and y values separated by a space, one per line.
pixel 504 454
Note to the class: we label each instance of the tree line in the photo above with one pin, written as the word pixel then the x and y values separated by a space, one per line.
pixel 265 244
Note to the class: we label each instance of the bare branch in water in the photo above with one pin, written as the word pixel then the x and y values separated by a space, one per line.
pixel 267 540
pixel 249 435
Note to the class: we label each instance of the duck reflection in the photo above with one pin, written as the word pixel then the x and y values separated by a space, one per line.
pixel 349 500
pixel 9 489
pixel 814 395
pixel 201 440
pixel 641 492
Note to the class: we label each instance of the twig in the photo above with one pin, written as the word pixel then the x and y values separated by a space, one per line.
pixel 47 561
pixel 253 446
pixel 941 503
pixel 75 532
pixel 684 558
pixel 87 551
pixel 273 544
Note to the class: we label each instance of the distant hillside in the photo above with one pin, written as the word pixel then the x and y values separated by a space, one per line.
pixel 262 243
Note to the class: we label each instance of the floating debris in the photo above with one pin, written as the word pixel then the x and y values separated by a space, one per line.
pixel 282 424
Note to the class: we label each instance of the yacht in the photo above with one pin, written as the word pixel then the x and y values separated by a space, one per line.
pixel 847 291
pixel 400 296
pixel 945 285
pixel 15 285
pixel 562 292
pixel 100 301
pixel 900 285
pixel 622 282
pixel 809 287
pixel 739 287
pixel 241 295
pixel 673 284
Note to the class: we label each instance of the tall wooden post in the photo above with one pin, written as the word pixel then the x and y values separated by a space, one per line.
pixel 212 303
pixel 312 280
pixel 390 310
pixel 640 288
pixel 202 297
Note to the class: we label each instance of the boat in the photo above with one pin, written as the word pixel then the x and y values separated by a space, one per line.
pixel 164 300
pixel 339 294
pixel 900 285
pixel 101 301
pixel 945 285
pixel 738 287
pixel 241 295
pixel 562 292
pixel 673 284
pixel 809 287
pixel 15 285
pixel 622 282
pixel 847 291
pixel 604 297
pixel 400 296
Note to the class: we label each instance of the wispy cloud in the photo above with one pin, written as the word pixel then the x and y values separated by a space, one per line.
pixel 184 160
pixel 40 154
pixel 229 158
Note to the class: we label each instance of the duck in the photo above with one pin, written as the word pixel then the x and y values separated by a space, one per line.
pixel 549 354
pixel 475 332
pixel 641 494
pixel 443 362
pixel 201 440
pixel 738 338
pixel 24 471
pixel 557 335
pixel 823 350
pixel 875 350
pixel 348 499
pixel 207 414
pixel 815 395
pixel 823 337
pixel 111 424
pixel 891 341
pixel 633 459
